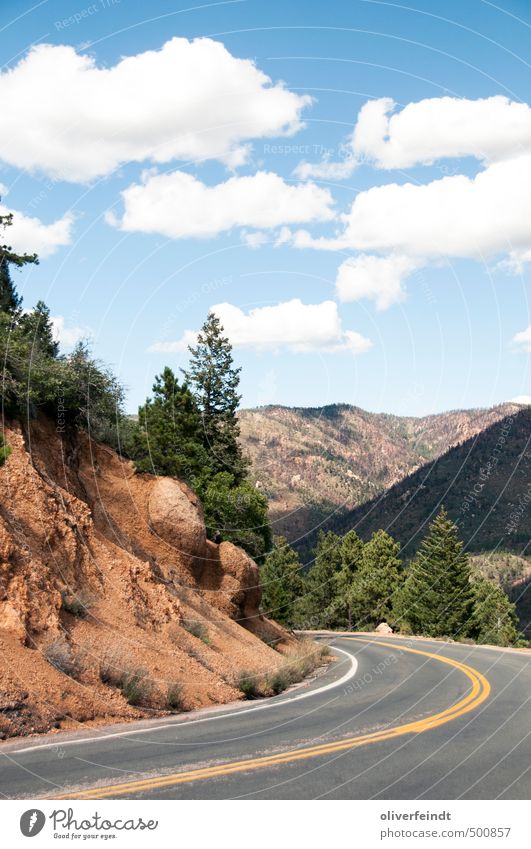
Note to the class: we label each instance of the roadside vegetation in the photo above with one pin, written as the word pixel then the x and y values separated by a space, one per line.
pixel 298 663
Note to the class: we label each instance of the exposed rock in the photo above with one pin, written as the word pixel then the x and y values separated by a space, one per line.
pixel 176 515
pixel 241 580
pixel 384 628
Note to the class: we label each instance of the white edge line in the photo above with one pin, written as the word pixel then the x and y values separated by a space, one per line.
pixel 270 704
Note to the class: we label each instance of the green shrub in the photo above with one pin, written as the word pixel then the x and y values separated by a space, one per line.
pixel 5 451
pixel 238 513
pixel 249 685
pixel 279 680
pixel 197 629
pixel 135 685
pixel 175 698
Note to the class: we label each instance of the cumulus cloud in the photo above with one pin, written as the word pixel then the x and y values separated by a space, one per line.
pixel 412 225
pixel 522 340
pixel 67 336
pixel 428 130
pixel 30 235
pixel 438 128
pixel 293 325
pixel 454 216
pixel 397 228
pixel 190 100
pixel 375 277
pixel 179 206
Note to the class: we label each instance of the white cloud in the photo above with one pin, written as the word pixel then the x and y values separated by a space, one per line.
pixel 421 133
pixel 438 128
pixel 67 336
pixel 525 400
pixel 455 216
pixel 376 277
pixel 190 100
pixel 179 206
pixel 522 339
pixel 30 235
pixel 292 324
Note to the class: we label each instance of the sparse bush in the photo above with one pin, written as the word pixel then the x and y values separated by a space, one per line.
pixel 5 451
pixel 249 685
pixel 304 658
pixel 301 660
pixel 135 685
pixel 59 654
pixel 175 697
pixel 197 629
pixel 77 605
pixel 111 670
pixel 279 680
pixel 134 682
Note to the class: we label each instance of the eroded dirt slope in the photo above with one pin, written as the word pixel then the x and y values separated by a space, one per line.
pixel 107 577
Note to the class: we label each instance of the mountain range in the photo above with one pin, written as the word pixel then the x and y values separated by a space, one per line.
pixel 318 464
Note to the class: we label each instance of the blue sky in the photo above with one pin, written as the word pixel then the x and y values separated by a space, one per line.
pixel 364 251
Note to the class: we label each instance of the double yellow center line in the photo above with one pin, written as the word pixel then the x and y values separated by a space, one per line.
pixel 478 693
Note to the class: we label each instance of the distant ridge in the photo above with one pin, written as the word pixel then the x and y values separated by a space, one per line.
pixel 484 483
pixel 316 461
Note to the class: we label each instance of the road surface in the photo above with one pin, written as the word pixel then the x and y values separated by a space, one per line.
pixel 390 718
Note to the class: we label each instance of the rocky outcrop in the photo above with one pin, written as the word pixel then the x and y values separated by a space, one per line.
pixel 231 580
pixel 176 515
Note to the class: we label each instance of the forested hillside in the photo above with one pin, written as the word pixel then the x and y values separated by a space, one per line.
pixel 314 462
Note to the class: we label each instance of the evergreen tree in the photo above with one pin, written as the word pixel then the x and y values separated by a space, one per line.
pixel 437 598
pixel 320 601
pixel 494 617
pixel 39 329
pixel 10 300
pixel 237 513
pixel 351 548
pixel 282 583
pixel 167 440
pixel 377 580
pixel 214 383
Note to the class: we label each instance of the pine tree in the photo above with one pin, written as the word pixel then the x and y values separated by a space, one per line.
pixel 214 383
pixel 377 580
pixel 10 300
pixel 437 597
pixel 282 584
pixel 39 329
pixel 320 600
pixel 494 618
pixel 236 512
pixel 167 440
pixel 351 548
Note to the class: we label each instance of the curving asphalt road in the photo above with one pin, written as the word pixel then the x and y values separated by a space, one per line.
pixel 391 718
